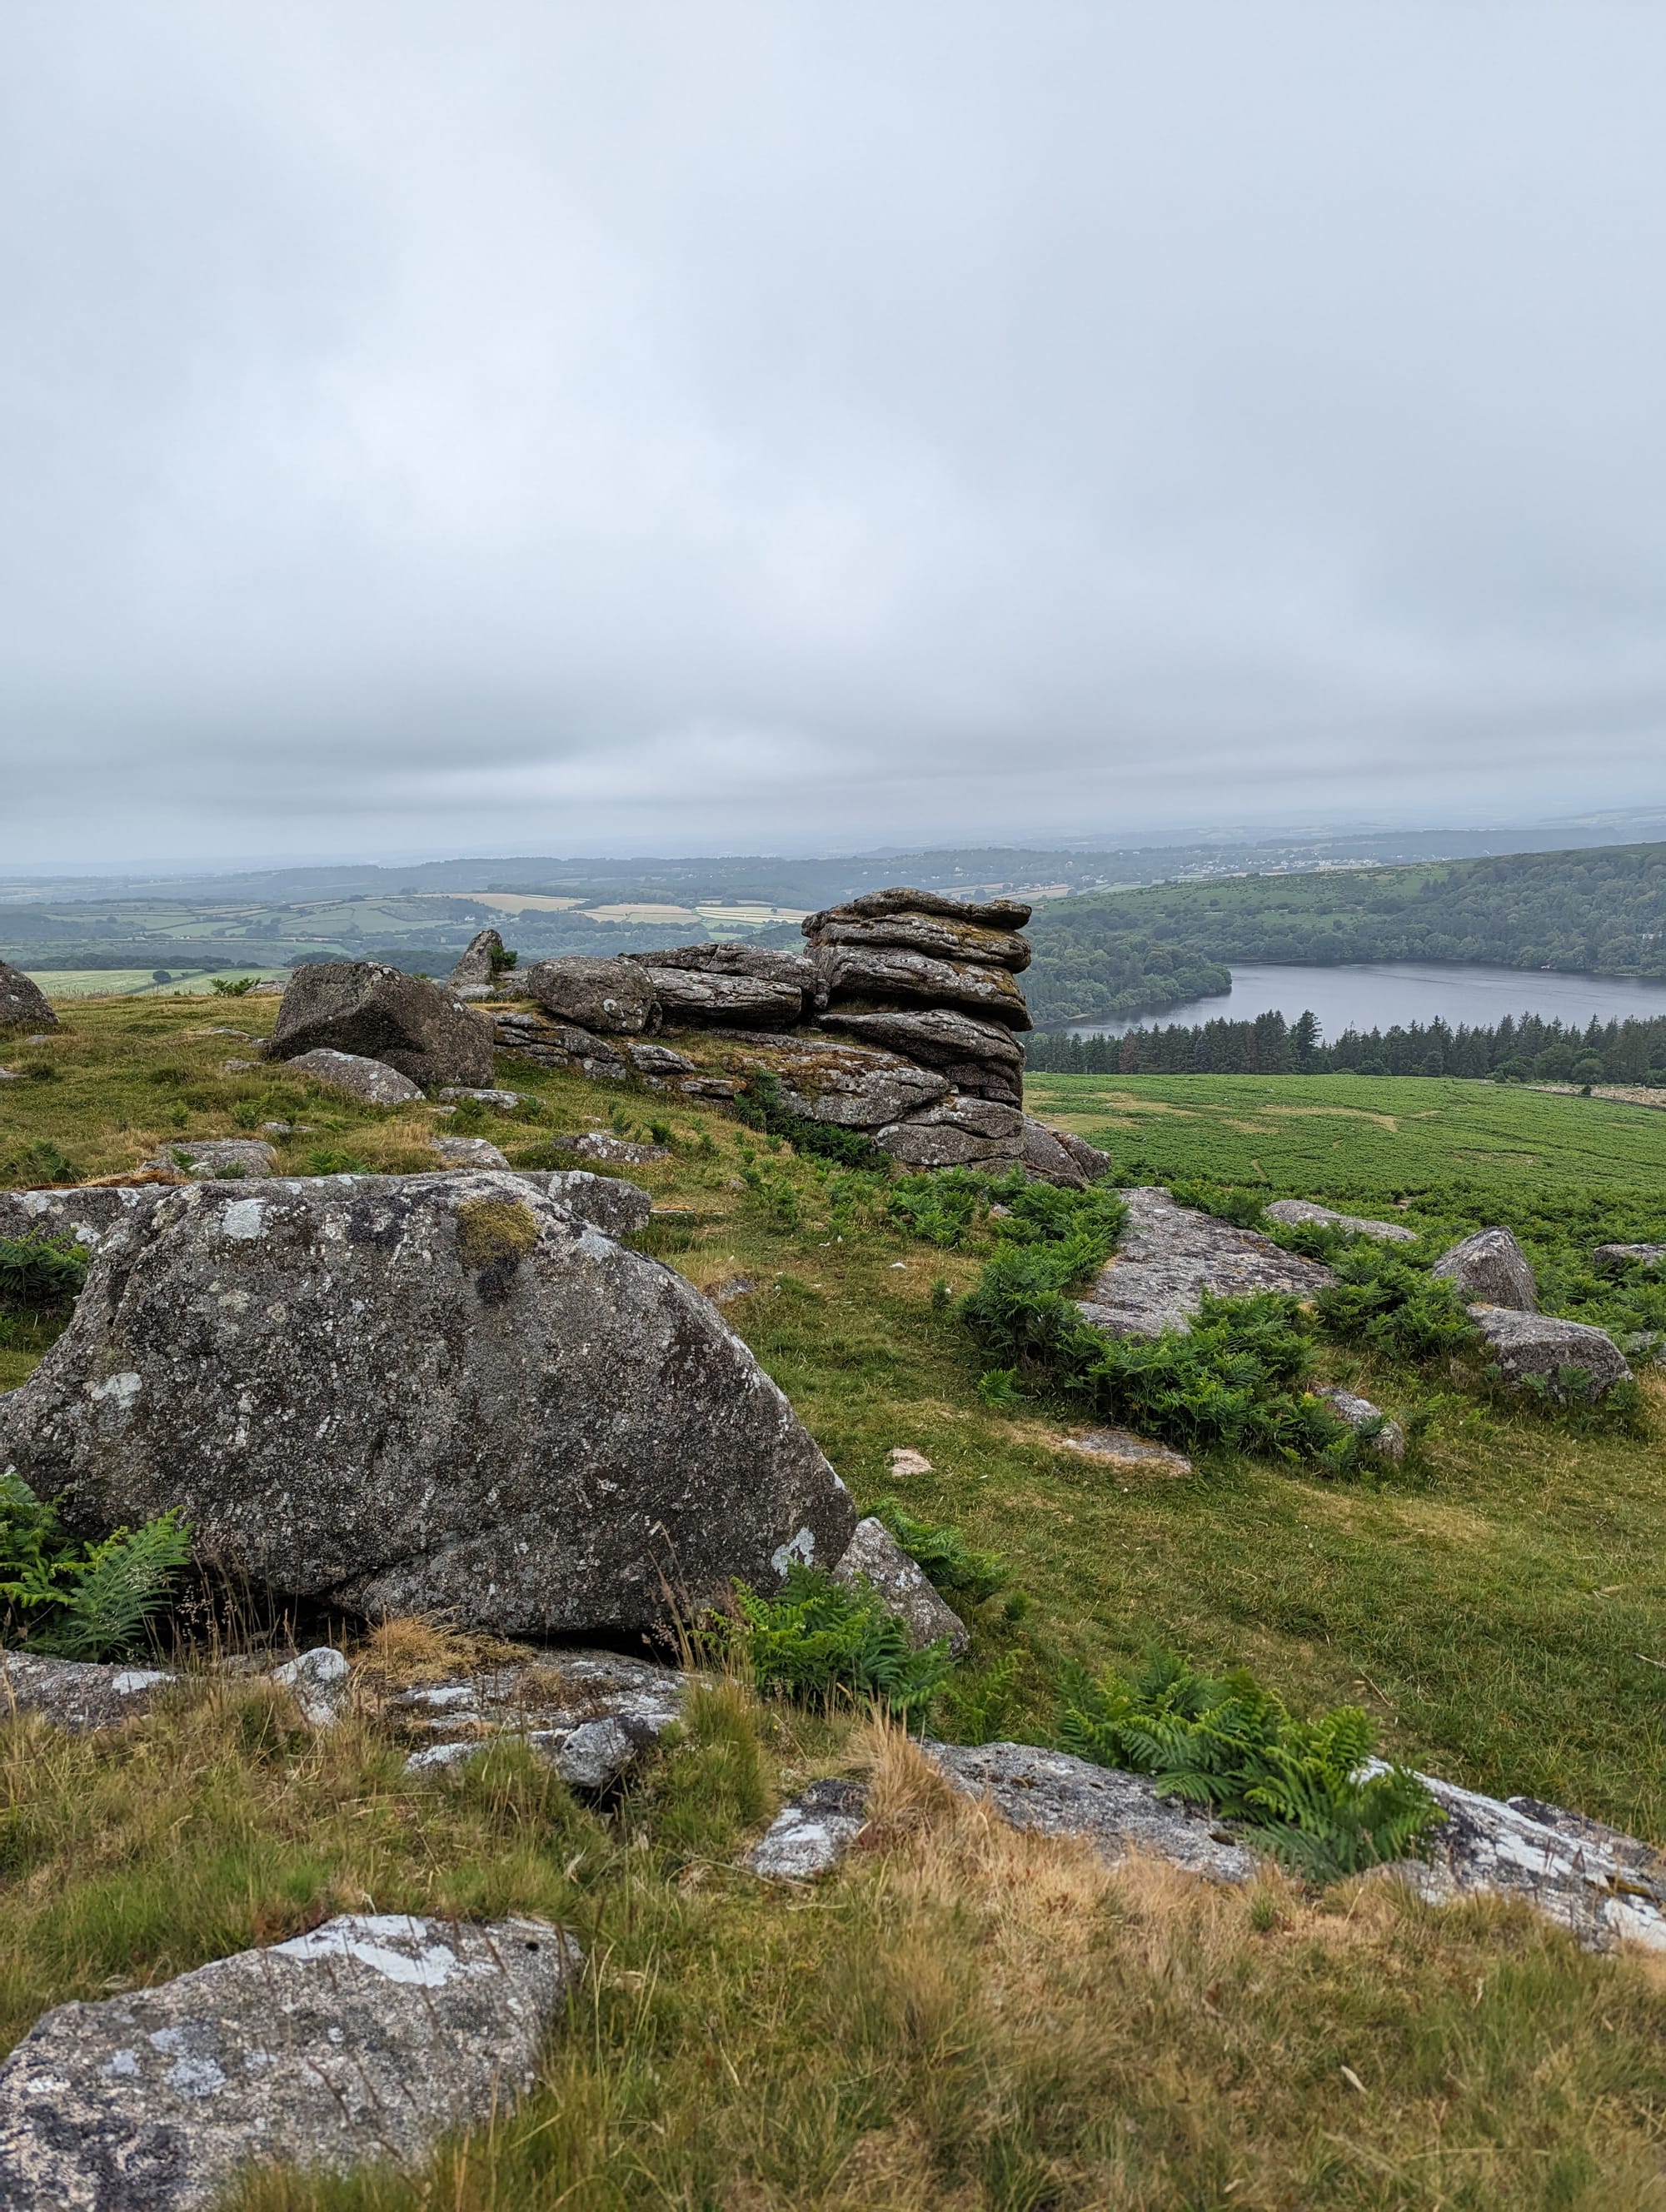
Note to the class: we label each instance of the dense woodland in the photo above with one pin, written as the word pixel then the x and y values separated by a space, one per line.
pixel 1527 1050
pixel 1601 912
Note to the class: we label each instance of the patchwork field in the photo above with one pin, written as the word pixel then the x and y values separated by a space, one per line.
pixel 917 2032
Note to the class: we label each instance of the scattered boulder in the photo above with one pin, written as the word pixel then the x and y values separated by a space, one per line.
pixel 76 1694
pixel 371 1080
pixel 603 1144
pixel 613 997
pixel 1047 1159
pixel 650 1060
pixel 1613 1259
pixel 1528 1347
pixel 879 975
pixel 469 1152
pixel 23 1003
pixel 205 1159
pixel 360 1006
pixel 589 1714
pixel 1120 1448
pixel 1171 1255
pixel 504 1101
pixel 368 2038
pixel 955 1132
pixel 483 959
pixel 1293 1210
pixel 809 1836
pixel 901 1459
pixel 423 1393
pixel 1360 1413
pixel 1491 1266
pixel 875 1556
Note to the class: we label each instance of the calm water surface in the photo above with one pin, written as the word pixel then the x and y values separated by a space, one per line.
pixel 1376 995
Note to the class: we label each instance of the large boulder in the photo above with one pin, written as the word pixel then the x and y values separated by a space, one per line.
pixel 957 1133
pixel 884 976
pixel 366 2039
pixel 930 934
pixel 1536 1347
pixel 611 998
pixel 23 1003
pixel 1170 1255
pixel 424 1394
pixel 1492 1266
pixel 371 1080
pixel 382 1013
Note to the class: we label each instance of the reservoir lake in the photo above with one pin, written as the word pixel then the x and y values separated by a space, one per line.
pixel 1376 995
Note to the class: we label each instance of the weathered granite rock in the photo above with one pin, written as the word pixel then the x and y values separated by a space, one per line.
pixel 373 1080
pixel 477 964
pixel 469 1152
pixel 363 1007
pixel 743 986
pixel 935 935
pixel 319 1680
pixel 23 1003
pixel 1089 1159
pixel 652 1060
pixel 86 1214
pixel 76 1694
pixel 955 1132
pixel 1604 1886
pixel 1613 1259
pixel 1171 1255
pixel 590 1714
pixel 1360 1413
pixel 1527 1344
pixel 550 1043
pixel 423 1393
pixel 603 1144
pixel 1047 1159
pixel 505 1101
pixel 883 977
pixel 1061 1795
pixel 983 1059
pixel 1492 1266
pixel 875 1556
pixel 618 1208
pixel 1121 1449
pixel 987 913
pixel 366 2039
pixel 204 1159
pixel 903 1460
pixel 826 1079
pixel 1293 1210
pixel 811 1835
pixel 614 998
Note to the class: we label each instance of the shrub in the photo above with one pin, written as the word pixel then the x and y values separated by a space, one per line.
pixel 233 987
pixel 41 1275
pixel 502 961
pixel 818 1638
pixel 1230 1744
pixel 943 1554
pixel 1397 1308
pixel 328 1161
pixel 1242 1208
pixel 79 1600
pixel 761 1106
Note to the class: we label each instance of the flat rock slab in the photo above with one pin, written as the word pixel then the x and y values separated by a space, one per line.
pixel 364 2040
pixel 1059 1795
pixel 1290 1210
pixel 876 1556
pixel 602 1145
pixel 1528 1345
pixel 76 1694
pixel 359 1077
pixel 589 1714
pixel 1171 1255
pixel 1121 1448
pixel 809 1836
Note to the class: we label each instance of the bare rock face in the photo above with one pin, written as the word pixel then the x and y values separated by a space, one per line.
pixel 982 1057
pixel 23 1003
pixel 76 1694
pixel 477 965
pixel 360 1007
pixel 825 1080
pixel 613 998
pixel 1293 1210
pixel 205 1158
pixel 1048 1159
pixel 882 975
pixel 1491 1266
pixel 550 1043
pixel 609 1203
pixel 874 1556
pixel 1529 1345
pixel 739 985
pixel 930 934
pixel 1171 1255
pixel 955 1133
pixel 366 2039
pixel 371 1080
pixel 87 1216
pixel 987 914
pixel 423 1393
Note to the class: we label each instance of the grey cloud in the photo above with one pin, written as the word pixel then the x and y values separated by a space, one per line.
pixel 531 425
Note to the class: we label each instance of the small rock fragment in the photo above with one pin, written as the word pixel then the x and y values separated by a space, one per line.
pixel 809 1836
pixel 902 1459
pixel 874 1555
pixel 319 1679
pixel 1358 1412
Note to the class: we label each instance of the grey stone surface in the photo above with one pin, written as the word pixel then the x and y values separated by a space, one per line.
pixel 875 1556
pixel 504 1101
pixel 1612 1259
pixel 955 1132
pixel 811 1835
pixel 590 1714
pixel 610 998
pixel 378 1012
pixel 476 966
pixel 423 1393
pixel 364 2040
pixel 76 1694
pixel 936 935
pixel 373 1080
pixel 203 1158
pixel 1389 1440
pixel 987 913
pixel 693 996
pixel 1061 1795
pixel 603 1144
pixel 88 1215
pixel 886 976
pixel 659 1059
pixel 469 1152
pixel 23 1003
pixel 934 1036
pixel 1293 1210
pixel 609 1203
pixel 1492 1266
pixel 320 1681
pixel 550 1043
pixel 1048 1159
pixel 1121 1448
pixel 1533 1344
pixel 1089 1159
pixel 1171 1255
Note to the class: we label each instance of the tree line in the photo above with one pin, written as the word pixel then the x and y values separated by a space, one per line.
pixel 1527 1050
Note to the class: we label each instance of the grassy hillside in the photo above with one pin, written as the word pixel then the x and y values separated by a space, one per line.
pixel 957 2020
pixel 1602 911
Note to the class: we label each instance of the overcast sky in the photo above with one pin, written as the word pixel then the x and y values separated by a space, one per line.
pixel 610 427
